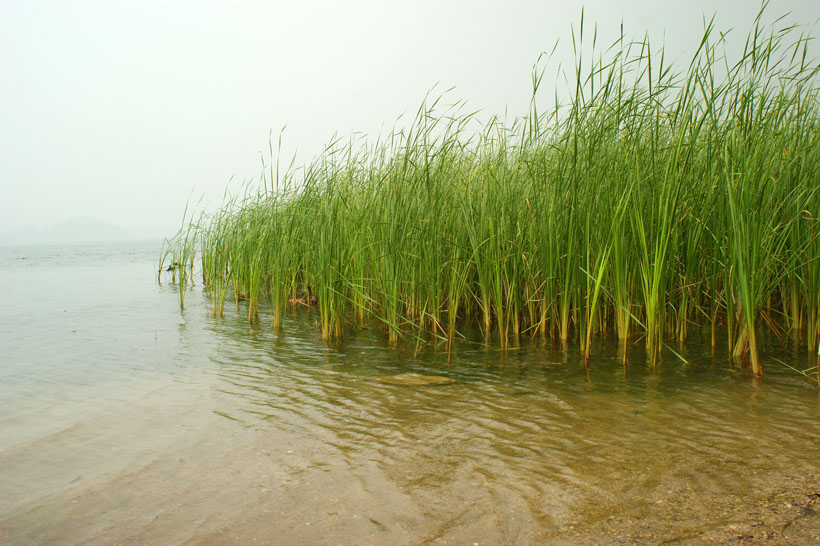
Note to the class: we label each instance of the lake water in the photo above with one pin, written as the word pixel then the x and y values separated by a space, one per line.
pixel 125 421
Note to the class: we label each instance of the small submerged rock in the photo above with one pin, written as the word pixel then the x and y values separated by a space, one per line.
pixel 412 379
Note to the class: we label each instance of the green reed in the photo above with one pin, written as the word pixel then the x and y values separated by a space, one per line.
pixel 656 201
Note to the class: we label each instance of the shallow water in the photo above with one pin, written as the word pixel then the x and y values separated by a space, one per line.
pixel 126 421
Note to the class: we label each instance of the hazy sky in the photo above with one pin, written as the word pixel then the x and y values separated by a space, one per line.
pixel 122 109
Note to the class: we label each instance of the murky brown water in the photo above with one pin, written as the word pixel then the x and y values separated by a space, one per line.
pixel 124 421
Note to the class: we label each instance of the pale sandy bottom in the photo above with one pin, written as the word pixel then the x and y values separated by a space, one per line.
pixel 160 466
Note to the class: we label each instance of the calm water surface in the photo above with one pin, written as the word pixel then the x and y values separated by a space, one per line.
pixel 126 421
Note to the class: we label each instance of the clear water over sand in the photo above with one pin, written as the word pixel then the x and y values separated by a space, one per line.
pixel 126 421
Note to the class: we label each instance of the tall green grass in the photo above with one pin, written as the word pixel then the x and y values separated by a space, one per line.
pixel 655 200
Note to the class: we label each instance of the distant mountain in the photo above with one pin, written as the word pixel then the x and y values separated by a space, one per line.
pixel 76 230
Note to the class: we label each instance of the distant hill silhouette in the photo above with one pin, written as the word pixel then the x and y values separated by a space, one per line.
pixel 76 230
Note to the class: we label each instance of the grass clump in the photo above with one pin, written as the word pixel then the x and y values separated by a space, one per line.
pixel 655 199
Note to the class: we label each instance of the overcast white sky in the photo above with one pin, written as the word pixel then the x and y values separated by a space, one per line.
pixel 122 109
